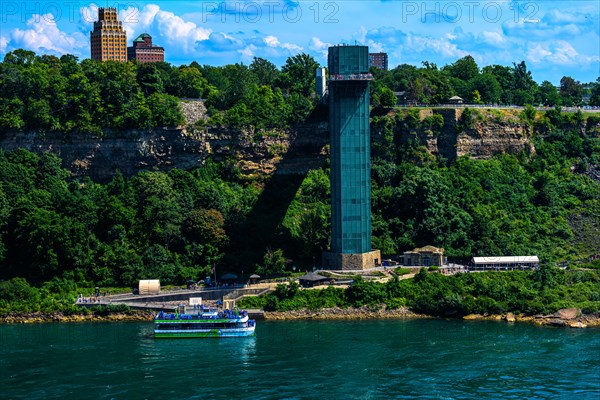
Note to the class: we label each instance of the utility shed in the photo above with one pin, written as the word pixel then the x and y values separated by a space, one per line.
pixel 149 286
pixel 504 263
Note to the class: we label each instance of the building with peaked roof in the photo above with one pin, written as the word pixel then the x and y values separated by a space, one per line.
pixel 144 51
pixel 108 40
pixel 313 279
pixel 424 257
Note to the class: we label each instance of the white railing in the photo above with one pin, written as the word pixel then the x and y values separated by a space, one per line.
pixel 351 77
pixel 497 106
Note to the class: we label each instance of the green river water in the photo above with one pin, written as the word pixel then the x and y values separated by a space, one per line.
pixel 425 359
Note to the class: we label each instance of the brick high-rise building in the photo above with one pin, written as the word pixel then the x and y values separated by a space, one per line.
pixel 144 51
pixel 378 60
pixel 108 39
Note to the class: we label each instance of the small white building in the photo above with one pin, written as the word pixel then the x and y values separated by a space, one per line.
pixel 321 82
pixel 455 100
pixel 149 286
pixel 504 263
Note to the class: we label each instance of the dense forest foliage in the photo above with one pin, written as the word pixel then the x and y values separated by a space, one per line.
pixel 492 84
pixel 176 225
pixel 541 203
pixel 170 226
pixel 510 204
pixel 541 292
pixel 49 94
pixel 57 233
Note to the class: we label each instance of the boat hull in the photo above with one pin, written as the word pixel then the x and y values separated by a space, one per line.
pixel 204 333
pixel 205 323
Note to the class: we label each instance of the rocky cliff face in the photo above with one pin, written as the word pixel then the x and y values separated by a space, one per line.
pixel 186 147
pixel 493 134
pixel 130 152
pixel 488 134
pixel 291 151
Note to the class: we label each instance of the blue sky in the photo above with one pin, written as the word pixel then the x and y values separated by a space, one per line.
pixel 555 38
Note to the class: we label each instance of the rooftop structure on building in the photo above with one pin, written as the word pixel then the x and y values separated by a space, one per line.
pixel 378 60
pixel 144 51
pixel 108 40
pixel 321 82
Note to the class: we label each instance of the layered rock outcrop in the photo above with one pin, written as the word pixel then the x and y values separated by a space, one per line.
pixel 485 135
pixel 185 147
pixel 290 151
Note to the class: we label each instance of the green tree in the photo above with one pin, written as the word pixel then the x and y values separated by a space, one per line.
pixel 191 83
pixel 205 227
pixel 266 72
pixel 20 57
pixel 387 98
pixel 298 74
pixel 465 69
pixel 504 77
pixel 548 95
pixel 488 88
pixel 11 114
pixel 149 79
pixel 595 93
pixel 273 263
pixel 523 85
pixel 166 110
pixel 571 91
pixel 41 235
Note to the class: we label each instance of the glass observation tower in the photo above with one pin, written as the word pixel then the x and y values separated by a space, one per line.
pixel 350 159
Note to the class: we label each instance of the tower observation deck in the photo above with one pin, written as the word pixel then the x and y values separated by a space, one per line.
pixel 350 159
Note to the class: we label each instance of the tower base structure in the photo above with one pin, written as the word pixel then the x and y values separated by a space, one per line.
pixel 347 261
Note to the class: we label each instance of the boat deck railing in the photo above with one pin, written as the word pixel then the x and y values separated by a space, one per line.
pixel 203 315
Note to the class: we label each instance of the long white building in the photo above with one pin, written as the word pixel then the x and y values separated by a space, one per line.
pixel 504 263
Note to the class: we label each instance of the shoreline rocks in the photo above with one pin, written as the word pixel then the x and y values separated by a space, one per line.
pixel 571 318
pixel 338 313
pixel 568 317
pixel 35 318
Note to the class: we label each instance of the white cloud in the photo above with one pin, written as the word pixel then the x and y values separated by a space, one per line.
pixel 555 24
pixel 272 41
pixel 361 35
pixel 89 14
pixel 443 47
pixel 493 38
pixel 248 53
pixel 560 17
pixel 319 47
pixel 537 53
pixel 177 35
pixel 178 31
pixel 43 36
pixel 561 53
pixel 219 42
pixel 318 44
pixel 147 15
pixel 3 44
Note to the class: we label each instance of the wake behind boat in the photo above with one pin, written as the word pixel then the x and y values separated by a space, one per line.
pixel 204 323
